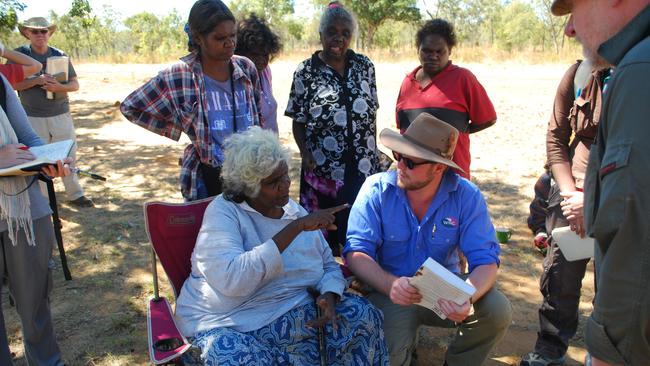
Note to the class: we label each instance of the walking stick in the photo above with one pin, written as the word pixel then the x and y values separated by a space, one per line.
pixel 322 350
pixel 56 221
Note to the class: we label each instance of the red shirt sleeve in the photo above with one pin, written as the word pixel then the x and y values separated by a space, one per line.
pixel 13 72
pixel 399 101
pixel 480 106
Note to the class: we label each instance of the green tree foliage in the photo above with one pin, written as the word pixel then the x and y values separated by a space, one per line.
pixel 508 24
pixel 553 26
pixel 273 11
pixel 393 34
pixel 372 14
pixel 476 21
pixel 520 27
pixel 511 25
pixel 77 25
pixel 9 16
pixel 154 37
pixel 276 13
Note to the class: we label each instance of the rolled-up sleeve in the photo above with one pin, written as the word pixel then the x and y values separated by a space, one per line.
pixel 221 258
pixel 296 106
pixel 559 129
pixel 364 223
pixel 477 236
pixel 151 107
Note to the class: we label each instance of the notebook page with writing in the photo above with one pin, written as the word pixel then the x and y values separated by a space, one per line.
pixel 436 282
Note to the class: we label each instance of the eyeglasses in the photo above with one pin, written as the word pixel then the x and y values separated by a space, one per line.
pixel 38 31
pixel 409 163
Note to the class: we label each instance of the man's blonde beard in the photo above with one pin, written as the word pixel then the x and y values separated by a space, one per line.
pixel 414 186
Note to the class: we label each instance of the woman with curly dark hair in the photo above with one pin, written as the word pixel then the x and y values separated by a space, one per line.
pixel 257 41
pixel 444 90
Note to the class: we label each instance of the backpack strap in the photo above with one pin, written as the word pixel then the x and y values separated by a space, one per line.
pixel 3 96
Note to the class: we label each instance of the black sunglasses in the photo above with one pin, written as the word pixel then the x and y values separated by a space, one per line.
pixel 409 163
pixel 37 31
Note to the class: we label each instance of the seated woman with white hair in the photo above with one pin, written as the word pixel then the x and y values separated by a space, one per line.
pixel 257 257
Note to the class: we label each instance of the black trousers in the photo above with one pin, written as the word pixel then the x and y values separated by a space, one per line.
pixel 560 285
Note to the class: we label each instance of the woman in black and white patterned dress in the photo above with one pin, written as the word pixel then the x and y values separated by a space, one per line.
pixel 333 104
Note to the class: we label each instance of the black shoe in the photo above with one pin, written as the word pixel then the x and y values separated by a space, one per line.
pixel 82 201
pixel 537 359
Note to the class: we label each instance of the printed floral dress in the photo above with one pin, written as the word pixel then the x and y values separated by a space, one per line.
pixel 339 113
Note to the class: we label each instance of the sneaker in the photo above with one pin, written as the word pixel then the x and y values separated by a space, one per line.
pixel 536 359
pixel 82 201
pixel 541 242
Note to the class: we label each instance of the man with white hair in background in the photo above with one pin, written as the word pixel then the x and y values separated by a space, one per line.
pixel 616 198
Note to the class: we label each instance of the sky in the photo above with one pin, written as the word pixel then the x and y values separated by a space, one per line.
pixel 125 7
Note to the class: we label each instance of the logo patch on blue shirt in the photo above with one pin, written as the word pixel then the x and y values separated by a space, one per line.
pixel 450 222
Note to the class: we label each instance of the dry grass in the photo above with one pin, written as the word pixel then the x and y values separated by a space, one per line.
pixel 100 315
pixel 404 53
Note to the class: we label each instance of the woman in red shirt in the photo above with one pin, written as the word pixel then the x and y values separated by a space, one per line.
pixel 444 90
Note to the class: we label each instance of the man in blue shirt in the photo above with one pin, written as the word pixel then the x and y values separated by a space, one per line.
pixel 421 210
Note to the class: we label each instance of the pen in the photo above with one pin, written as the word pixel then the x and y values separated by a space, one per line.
pixel 88 174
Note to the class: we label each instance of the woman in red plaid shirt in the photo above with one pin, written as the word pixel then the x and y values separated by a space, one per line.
pixel 209 95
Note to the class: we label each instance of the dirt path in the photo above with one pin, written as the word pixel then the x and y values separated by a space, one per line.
pixel 100 314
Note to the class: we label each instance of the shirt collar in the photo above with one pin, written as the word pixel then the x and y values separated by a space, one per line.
pixel 632 33
pixel 237 70
pixel 450 66
pixel 192 60
pixel 316 61
pixel 291 209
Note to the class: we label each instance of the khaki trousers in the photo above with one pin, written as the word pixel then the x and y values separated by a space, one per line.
pixel 475 337
pixel 53 129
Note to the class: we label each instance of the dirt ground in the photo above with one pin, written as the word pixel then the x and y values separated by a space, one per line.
pixel 100 316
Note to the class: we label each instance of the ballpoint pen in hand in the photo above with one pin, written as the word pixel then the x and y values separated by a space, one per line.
pixel 88 174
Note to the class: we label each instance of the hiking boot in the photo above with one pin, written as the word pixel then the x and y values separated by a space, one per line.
pixel 536 359
pixel 82 201
pixel 541 242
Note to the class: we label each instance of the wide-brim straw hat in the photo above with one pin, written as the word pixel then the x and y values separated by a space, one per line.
pixel 561 7
pixel 35 23
pixel 426 138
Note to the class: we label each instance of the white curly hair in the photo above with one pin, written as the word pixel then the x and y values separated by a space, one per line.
pixel 250 157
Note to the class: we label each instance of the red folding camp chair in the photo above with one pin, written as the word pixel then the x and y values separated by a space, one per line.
pixel 172 230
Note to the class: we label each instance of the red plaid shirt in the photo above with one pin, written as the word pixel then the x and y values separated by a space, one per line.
pixel 174 102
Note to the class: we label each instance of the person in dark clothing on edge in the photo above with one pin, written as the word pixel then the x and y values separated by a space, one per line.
pixel 616 198
pixel 575 113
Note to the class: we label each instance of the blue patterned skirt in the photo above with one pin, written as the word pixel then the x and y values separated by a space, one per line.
pixel 358 340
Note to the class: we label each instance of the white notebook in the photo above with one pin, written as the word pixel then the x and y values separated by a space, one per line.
pixel 436 282
pixel 573 246
pixel 47 154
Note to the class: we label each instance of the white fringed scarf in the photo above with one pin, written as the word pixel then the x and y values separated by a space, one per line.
pixel 14 208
